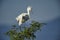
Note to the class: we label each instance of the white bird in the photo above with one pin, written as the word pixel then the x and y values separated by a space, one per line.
pixel 24 16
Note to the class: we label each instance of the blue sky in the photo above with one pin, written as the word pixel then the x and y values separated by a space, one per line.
pixel 46 11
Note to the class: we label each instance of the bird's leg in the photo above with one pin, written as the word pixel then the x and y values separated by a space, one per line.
pixel 20 28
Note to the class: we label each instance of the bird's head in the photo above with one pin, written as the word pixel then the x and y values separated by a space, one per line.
pixel 29 8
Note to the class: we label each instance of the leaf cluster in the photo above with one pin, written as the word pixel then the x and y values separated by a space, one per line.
pixel 26 34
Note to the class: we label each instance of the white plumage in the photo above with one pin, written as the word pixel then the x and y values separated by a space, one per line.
pixel 24 16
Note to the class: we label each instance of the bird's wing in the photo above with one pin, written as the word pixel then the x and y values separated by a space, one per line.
pixel 20 20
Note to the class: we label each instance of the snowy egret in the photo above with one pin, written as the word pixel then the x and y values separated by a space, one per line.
pixel 23 17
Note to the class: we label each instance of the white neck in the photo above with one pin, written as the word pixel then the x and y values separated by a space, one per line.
pixel 28 12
